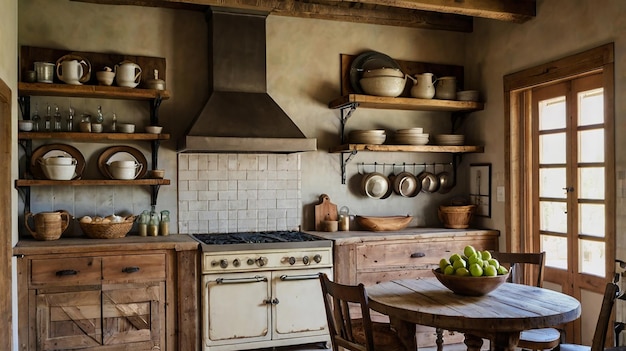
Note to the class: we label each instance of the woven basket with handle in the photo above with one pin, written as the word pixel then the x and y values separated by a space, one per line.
pixel 96 230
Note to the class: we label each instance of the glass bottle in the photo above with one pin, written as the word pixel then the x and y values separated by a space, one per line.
pixel 164 226
pixel 47 124
pixel 144 219
pixel 70 120
pixel 36 119
pixel 153 225
pixel 57 119
pixel 99 116
pixel 344 219
pixel 114 123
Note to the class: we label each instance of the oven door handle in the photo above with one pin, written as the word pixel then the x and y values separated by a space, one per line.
pixel 255 279
pixel 286 277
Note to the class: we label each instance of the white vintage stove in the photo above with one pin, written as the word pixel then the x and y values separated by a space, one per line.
pixel 261 289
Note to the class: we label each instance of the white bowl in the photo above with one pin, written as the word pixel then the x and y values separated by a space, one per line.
pixel 25 125
pixel 124 172
pixel 126 127
pixel 383 86
pixel 105 77
pixel 467 95
pixel 59 172
pixel 123 164
pixel 58 160
pixel 154 129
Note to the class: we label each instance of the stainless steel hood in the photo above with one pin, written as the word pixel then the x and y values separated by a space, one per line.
pixel 240 116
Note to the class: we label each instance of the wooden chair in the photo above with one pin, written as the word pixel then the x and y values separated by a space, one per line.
pixel 533 339
pixel 599 336
pixel 348 331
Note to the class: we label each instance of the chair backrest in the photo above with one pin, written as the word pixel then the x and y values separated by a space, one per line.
pixel 519 262
pixel 337 300
pixel 599 336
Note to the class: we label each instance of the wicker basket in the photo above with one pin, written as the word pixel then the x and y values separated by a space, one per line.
pixel 456 217
pixel 107 230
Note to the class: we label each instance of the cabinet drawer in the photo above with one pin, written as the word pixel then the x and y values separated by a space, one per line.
pixel 372 278
pixel 66 271
pixel 419 255
pixel 133 268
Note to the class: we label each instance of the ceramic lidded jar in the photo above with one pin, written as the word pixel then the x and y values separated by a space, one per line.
pixel 446 88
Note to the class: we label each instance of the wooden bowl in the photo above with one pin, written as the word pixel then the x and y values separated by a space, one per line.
pixel 383 223
pixel 470 286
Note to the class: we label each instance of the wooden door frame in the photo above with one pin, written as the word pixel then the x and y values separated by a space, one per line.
pixel 6 218
pixel 517 102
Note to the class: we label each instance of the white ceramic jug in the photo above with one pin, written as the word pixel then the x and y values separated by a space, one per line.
pixel 446 88
pixel 70 71
pixel 127 74
pixel 423 86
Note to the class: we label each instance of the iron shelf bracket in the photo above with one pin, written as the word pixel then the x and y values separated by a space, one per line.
pixel 154 195
pixel 155 154
pixel 457 118
pixel 24 104
pixel 344 163
pixel 346 113
pixel 154 110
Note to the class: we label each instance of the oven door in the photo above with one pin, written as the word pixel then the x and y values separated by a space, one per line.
pixel 236 307
pixel 299 311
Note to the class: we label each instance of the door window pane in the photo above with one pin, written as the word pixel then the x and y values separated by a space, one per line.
pixel 556 251
pixel 552 113
pixel 591 183
pixel 552 148
pixel 591 145
pixel 592 258
pixel 591 219
pixel 553 216
pixel 591 107
pixel 552 183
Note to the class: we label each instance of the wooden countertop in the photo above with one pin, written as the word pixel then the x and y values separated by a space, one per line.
pixel 178 242
pixel 351 237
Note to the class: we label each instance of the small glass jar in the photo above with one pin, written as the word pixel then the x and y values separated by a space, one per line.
pixel 144 219
pixel 344 219
pixel 153 225
pixel 164 225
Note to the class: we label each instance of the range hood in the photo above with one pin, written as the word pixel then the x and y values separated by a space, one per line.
pixel 240 116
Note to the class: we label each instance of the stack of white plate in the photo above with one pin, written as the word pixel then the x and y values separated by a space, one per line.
pixel 371 136
pixel 411 136
pixel 449 139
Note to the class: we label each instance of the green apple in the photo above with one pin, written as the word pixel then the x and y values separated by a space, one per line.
pixel 494 262
pixel 455 257
pixel 476 270
pixel 443 263
pixel 460 263
pixel 475 259
pixel 485 254
pixel 502 270
pixel 449 270
pixel 491 271
pixel 469 250
pixel 463 272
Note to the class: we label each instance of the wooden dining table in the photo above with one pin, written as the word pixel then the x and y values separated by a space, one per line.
pixel 499 316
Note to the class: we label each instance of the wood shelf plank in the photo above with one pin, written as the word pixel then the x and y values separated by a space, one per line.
pixel 90 91
pixel 80 136
pixel 407 148
pixel 402 103
pixel 89 182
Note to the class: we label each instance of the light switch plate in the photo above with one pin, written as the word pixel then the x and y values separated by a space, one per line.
pixel 500 194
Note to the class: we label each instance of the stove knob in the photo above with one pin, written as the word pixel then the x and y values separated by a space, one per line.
pixel 236 262
pixel 317 258
pixel 261 261
pixel 250 262
pixel 292 260
pixel 305 259
pixel 223 263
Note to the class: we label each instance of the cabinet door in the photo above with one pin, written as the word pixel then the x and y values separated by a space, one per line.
pixel 134 314
pixel 69 320
pixel 300 307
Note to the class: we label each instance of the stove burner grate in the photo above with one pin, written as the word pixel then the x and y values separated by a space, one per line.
pixel 256 237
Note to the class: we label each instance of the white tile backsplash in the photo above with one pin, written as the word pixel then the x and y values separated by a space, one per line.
pixel 221 193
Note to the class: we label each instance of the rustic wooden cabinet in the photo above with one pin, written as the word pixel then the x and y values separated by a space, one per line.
pixel 374 257
pixel 128 293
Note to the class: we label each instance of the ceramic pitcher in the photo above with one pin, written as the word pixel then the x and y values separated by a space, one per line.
pixel 423 86
pixel 48 225
pixel 70 71
pixel 127 74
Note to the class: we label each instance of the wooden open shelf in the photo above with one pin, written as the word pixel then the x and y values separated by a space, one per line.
pixel 80 136
pixel 90 91
pixel 89 182
pixel 406 148
pixel 404 103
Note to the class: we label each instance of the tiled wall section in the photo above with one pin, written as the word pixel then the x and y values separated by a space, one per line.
pixel 220 193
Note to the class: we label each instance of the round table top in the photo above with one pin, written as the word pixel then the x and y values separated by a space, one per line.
pixel 509 308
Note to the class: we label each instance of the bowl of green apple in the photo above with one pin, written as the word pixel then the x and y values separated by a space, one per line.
pixel 472 273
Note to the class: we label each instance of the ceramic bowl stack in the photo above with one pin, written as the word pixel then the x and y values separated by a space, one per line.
pixel 449 139
pixel 372 136
pixel 411 136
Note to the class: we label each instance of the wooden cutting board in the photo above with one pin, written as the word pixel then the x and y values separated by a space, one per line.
pixel 326 210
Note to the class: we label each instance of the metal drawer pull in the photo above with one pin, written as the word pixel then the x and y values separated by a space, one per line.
pixel 417 254
pixel 255 279
pixel 130 269
pixel 66 272
pixel 286 277
pixel 273 301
